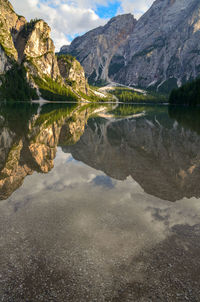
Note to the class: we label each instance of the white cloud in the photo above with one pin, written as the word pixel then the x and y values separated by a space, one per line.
pixel 72 17
pixel 136 7
pixel 64 19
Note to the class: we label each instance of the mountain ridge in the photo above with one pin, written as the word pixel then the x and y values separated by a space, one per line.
pixel 104 41
pixel 161 51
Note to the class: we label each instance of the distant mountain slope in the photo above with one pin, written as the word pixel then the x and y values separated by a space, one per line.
pixel 96 48
pixel 161 50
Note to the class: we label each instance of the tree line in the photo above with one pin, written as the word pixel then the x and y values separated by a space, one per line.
pixel 188 94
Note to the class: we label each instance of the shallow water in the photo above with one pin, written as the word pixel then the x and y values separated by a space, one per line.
pixel 99 206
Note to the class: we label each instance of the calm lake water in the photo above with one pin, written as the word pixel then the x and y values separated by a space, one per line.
pixel 99 203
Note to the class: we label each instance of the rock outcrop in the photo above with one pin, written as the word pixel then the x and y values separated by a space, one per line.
pixel 29 45
pixel 10 26
pixel 38 50
pixel 73 73
pixel 96 48
pixel 161 50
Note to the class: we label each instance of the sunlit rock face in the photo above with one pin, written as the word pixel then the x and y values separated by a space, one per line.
pixel 10 26
pixel 160 50
pixel 72 71
pixel 95 49
pixel 39 51
pixel 30 44
pixel 163 159
pixel 20 41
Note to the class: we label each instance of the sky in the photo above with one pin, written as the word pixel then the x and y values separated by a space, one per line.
pixel 71 18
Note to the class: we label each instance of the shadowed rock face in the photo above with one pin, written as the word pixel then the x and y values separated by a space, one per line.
pixel 161 49
pixel 34 149
pixel 163 159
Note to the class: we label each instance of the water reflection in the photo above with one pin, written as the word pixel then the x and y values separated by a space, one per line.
pixel 29 138
pixel 85 230
pixel 157 151
pixel 160 150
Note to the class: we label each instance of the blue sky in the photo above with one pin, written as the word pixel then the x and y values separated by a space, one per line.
pixel 108 11
pixel 70 18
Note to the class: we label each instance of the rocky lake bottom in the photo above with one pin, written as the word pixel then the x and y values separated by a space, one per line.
pixel 99 206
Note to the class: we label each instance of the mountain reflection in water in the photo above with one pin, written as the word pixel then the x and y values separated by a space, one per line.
pixel 86 210
pixel 160 149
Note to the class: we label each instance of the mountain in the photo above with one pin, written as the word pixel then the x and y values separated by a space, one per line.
pixel 159 51
pixel 28 63
pixel 104 42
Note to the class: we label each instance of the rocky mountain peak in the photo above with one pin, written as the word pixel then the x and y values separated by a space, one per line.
pixel 160 50
pixel 27 46
pixel 104 42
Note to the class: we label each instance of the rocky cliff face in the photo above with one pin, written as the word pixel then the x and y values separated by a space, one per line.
pixel 95 49
pixel 73 73
pixel 29 44
pixel 10 26
pixel 161 50
pixel 37 49
pixel 4 61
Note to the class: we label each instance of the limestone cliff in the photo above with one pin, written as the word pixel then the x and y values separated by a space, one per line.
pixel 161 50
pixel 96 48
pixel 73 73
pixel 37 49
pixel 29 45
pixel 10 26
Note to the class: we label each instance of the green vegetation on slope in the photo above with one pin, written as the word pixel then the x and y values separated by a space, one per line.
pixel 92 97
pixel 54 91
pixel 129 95
pixel 68 59
pixel 188 94
pixel 29 26
pixel 15 86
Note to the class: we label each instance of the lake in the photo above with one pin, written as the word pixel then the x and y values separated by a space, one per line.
pixel 99 203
